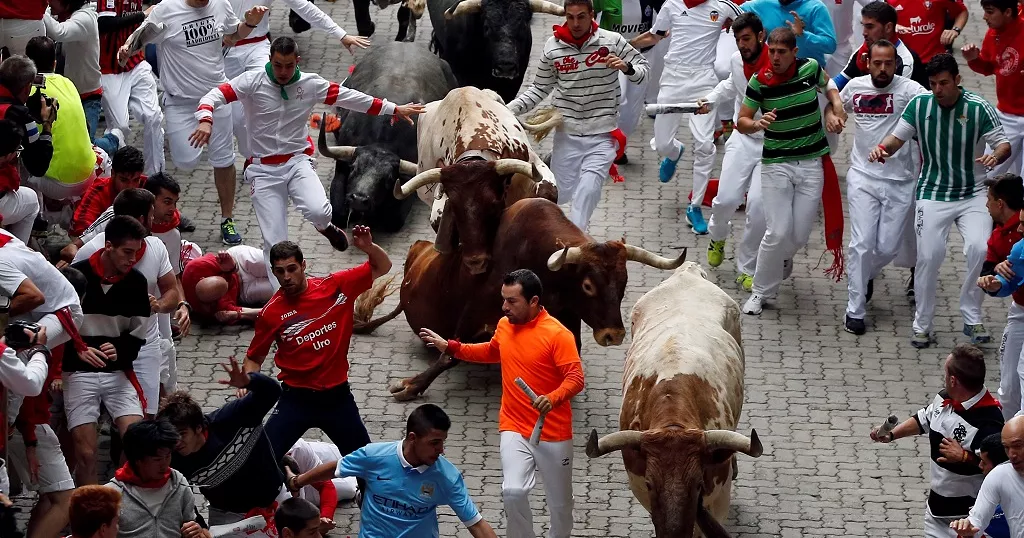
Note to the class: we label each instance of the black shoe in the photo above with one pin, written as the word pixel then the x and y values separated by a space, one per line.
pixel 622 160
pixel 40 225
pixel 337 237
pixel 855 326
pixel 870 292
pixel 186 225
pixel 910 284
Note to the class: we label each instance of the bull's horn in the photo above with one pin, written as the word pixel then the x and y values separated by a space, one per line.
pixel 405 190
pixel 543 6
pixel 515 166
pixel 341 153
pixel 612 442
pixel 562 257
pixel 646 257
pixel 730 440
pixel 462 8
pixel 407 168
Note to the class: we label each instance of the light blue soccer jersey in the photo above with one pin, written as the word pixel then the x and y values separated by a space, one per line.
pixel 401 500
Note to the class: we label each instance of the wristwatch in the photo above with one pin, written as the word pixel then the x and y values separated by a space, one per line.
pixel 185 304
pixel 957 29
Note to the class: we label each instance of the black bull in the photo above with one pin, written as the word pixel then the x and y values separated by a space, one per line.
pixel 374 152
pixel 487 42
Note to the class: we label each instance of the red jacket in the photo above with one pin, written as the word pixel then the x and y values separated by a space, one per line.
pixel 200 268
pixel 1001 55
pixel 1003 237
pixel 27 10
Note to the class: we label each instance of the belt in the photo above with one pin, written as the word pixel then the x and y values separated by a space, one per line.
pixel 274 160
pixel 249 40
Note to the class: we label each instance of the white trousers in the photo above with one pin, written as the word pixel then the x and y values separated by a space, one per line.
pixel 181 122
pixel 791 195
pixel 937 527
pixel 688 86
pixel 256 288
pixel 741 174
pixel 135 92
pixel 580 164
pixel 907 256
pixel 845 15
pixel 1013 126
pixel 633 96
pixel 932 224
pixel 18 210
pixel 520 462
pixel 879 212
pixel 16 33
pixel 271 186
pixel 238 60
pixel 1011 368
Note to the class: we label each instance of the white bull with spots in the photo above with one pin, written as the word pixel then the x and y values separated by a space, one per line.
pixel 681 400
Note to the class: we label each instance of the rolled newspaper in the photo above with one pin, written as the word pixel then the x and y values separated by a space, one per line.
pixel 535 436
pixel 145 33
pixel 243 527
pixel 671 108
pixel 887 426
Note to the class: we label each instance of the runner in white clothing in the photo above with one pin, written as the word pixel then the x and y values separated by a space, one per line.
pixel 1003 487
pixel 250 54
pixel 741 166
pixel 277 103
pixel 689 74
pixel 880 194
pixel 191 62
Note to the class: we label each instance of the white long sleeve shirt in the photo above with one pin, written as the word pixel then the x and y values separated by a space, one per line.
pixel 81 37
pixel 21 378
pixel 583 89
pixel 303 8
pixel 1003 487
pixel 278 126
pixel 734 87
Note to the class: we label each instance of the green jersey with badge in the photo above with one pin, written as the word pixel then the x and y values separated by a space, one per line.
pixel 627 17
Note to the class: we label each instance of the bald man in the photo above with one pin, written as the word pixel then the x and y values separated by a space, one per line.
pixel 224 287
pixel 1004 487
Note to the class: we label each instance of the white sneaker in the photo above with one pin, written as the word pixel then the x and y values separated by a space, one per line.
pixel 119 134
pixel 754 304
pixel 787 269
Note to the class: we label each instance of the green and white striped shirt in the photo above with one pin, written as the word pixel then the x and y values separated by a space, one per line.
pixel 951 139
pixel 797 132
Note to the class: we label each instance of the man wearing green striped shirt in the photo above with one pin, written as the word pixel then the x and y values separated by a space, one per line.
pixel 953 126
pixel 792 174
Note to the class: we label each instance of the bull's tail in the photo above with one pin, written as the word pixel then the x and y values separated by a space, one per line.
pixel 541 123
pixel 368 301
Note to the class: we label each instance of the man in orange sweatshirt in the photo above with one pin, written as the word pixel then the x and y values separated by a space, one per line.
pixel 530 344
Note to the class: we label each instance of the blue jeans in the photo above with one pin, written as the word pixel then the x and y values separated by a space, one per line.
pixel 107 142
pixel 151 58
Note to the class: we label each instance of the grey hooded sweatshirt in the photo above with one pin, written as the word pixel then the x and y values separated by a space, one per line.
pixel 138 521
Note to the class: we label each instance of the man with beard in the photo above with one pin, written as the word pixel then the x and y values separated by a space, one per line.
pixel 741 166
pixel 880 195
pixel 530 344
pixel 879 22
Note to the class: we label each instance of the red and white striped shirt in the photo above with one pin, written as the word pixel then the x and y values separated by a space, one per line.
pixel 279 126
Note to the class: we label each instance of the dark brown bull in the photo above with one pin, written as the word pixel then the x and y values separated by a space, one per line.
pixel 584 280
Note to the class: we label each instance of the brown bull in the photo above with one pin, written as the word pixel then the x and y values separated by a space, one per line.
pixel 583 280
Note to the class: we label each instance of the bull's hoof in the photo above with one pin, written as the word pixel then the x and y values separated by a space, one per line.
pixel 405 390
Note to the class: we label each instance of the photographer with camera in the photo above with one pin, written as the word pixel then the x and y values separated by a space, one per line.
pixel 21 339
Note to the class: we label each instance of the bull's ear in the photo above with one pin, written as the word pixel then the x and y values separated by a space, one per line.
pixel 720 455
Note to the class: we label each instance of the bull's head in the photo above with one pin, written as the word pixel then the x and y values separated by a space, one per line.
pixel 476 199
pixel 373 172
pixel 674 462
pixel 600 271
pixel 506 28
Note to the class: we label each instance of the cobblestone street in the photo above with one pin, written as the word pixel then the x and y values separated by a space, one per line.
pixel 813 391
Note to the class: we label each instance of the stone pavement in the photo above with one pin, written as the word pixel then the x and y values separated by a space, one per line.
pixel 813 391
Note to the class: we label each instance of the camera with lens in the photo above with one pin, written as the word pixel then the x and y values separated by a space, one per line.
pixel 35 105
pixel 16 337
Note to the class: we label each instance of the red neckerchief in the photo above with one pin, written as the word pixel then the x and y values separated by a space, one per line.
pixel 164 227
pixel 693 3
pixel 6 94
pixel 4 239
pixel 769 77
pixel 268 514
pixel 759 63
pixel 986 401
pixel 127 475
pixel 620 140
pixel 563 34
pixel 97 265
pixel 10 177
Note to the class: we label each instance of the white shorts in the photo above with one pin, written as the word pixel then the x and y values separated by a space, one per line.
pixel 53 470
pixel 181 122
pixel 168 365
pixel 85 391
pixel 147 368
